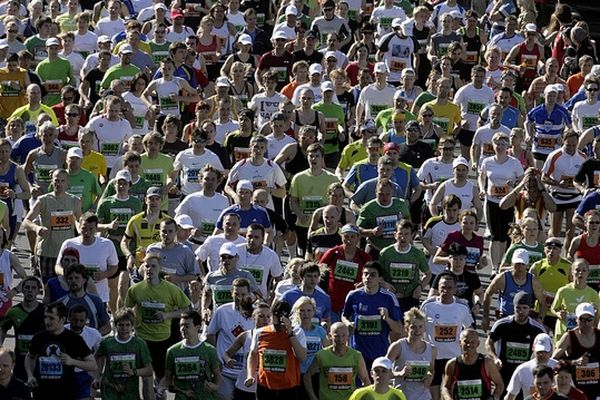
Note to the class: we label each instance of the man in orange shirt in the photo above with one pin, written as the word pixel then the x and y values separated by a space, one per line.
pixel 276 352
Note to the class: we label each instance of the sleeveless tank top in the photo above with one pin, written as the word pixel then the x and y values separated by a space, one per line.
pixel 465 193
pixel 65 139
pixel 395 138
pixel 297 164
pixel 56 291
pixel 250 66
pixel 242 95
pixel 164 89
pixel 510 289
pixel 9 180
pixel 412 385
pixel 471 381
pixel 472 52
pixel 43 166
pixel 58 216
pixel 586 377
pixel 522 158
pixel 529 59
pixel 315 121
pixel 592 256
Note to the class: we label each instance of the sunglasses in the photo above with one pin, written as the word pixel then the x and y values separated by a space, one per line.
pixel 594 222
pixel 588 319
pixel 72 115
pixel 13 31
pixel 590 89
pixel 553 246
pixel 226 257
pixel 328 9
pixel 428 115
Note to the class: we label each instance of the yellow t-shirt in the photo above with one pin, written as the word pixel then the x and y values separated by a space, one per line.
pixel 446 116
pixel 142 46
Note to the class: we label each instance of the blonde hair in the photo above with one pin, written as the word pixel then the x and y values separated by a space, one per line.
pixel 295 318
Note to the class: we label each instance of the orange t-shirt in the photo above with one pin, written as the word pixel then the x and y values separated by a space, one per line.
pixel 278 367
pixel 574 82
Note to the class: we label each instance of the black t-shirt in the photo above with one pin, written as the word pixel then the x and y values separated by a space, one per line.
pixel 93 78
pixel 52 376
pixel 174 148
pixel 416 154
pixel 321 240
pixel 589 174
pixel 466 284
pixel 315 58
pixel 16 390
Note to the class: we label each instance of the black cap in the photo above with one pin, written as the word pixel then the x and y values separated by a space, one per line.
pixel 246 113
pixel 278 116
pixel 309 34
pixel 281 308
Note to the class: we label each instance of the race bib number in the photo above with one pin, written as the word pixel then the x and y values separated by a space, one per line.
pixel 274 360
pixel 158 56
pixel 487 150
pixel 473 255
pixel 9 88
pixel 445 333
pixel 311 203
pixel 499 190
pixel 222 294
pixel 594 274
pixel 166 103
pixel 122 215
pixel 397 64
pixel 149 311
pixel 110 149
pixel 118 361
pixel 389 225
pixel 547 142
pixel 187 368
pixel 339 378
pixel 154 176
pixel 474 108
pixel 346 271
pixel 402 272
pixel 443 122
pixel 240 153
pixel 257 271
pixel 376 108
pixel 469 389
pixel 587 374
pixel 22 343
pixel 571 321
pixel 44 172
pixel 331 125
pixel 369 325
pixel 192 175
pixel 53 86
pixel 417 370
pixel 281 72
pixel 50 368
pixel 589 121
pixel 61 220
pixel 529 61
pixel 139 122
pixel 207 227
pixel 516 353
pixel 471 57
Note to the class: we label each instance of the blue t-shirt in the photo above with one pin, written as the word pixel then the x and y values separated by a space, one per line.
pixel 254 215
pixel 548 126
pixel 371 332
pixel 591 201
pixel 359 173
pixel 96 310
pixel 314 343
pixel 366 192
pixel 321 298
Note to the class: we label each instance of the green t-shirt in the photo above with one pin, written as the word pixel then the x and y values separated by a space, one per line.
pixel 311 191
pixel 67 22
pixel 372 214
pixel 402 269
pixel 111 208
pixel 536 252
pixel 190 367
pixel 569 298
pixel 156 172
pixel 384 119
pixel 85 186
pixel 54 75
pixel 36 46
pixel 337 375
pixel 119 72
pixel 137 189
pixel 159 51
pixel 148 300
pixel 334 119
pixel 133 352
pixel 552 278
pixel 424 97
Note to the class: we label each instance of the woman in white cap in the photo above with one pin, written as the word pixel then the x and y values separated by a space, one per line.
pixel 382 374
pixel 458 185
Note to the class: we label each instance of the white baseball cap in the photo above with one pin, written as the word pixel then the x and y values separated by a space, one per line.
pixel 542 342
pixel 184 221
pixel 74 152
pixel 585 308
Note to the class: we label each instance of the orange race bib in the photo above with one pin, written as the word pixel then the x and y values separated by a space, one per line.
pixel 499 190
pixel 339 378
pixel 488 149
pixel 259 184
pixel 587 374
pixel 397 65
pixel 61 220
pixel 53 86
pixel 445 333
pixel 567 179
pixel 240 153
pixel 546 142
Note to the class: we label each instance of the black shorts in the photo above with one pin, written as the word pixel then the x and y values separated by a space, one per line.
pixel 539 156
pixel 122 266
pixel 439 368
pixel 465 137
pixel 567 206
pixel 288 215
pixel 498 221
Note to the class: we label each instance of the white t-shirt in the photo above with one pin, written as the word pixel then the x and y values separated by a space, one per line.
pixel 86 42
pixel 173 36
pixel 224 128
pixel 76 62
pixel 472 101
pixel 265 106
pixel 276 145
pixel 561 166
pixel 383 17
pixel 317 93
pixel 267 175
pixel 444 324
pixel 585 115
pixel 203 210
pixel 434 170
pixel 109 28
pixel 96 257
pixel 375 100
pixel 437 234
pixel 111 136
pixel 483 138
pixel 209 250
pixel 227 324
pixel 190 164
pixel 501 178
pixel 139 113
pixel 261 265
pixel 522 378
